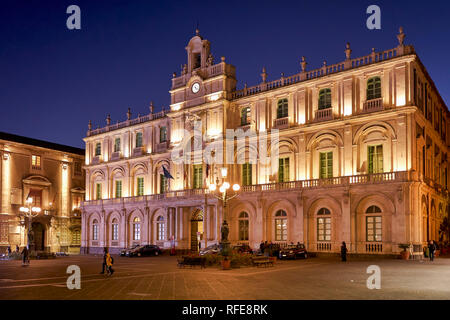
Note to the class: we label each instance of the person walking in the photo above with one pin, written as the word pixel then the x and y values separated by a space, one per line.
pixel 432 249
pixel 25 258
pixel 261 247
pixel 104 265
pixel 9 251
pixel 343 251
pixel 109 263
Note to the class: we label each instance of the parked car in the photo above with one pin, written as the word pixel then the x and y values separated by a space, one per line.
pixel 293 252
pixel 243 248
pixel 126 251
pixel 146 250
pixel 212 249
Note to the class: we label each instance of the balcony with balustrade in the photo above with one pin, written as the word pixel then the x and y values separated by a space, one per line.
pixel 281 123
pixel 373 105
pixel 198 194
pixel 324 115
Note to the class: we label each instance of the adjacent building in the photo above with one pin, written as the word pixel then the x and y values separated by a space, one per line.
pixel 362 158
pixel 50 176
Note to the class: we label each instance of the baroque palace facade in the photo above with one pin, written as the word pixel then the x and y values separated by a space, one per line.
pixel 362 158
pixel 51 176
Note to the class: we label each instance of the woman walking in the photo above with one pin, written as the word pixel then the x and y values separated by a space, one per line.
pixel 109 263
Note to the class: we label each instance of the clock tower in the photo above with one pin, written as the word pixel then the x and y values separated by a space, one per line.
pixel 201 80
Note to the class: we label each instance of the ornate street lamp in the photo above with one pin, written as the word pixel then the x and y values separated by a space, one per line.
pixel 222 192
pixel 30 212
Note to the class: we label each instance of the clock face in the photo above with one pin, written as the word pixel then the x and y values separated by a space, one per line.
pixel 195 87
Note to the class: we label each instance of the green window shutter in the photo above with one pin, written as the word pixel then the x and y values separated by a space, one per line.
pixel 198 173
pixel 246 174
pixel 326 165
pixel 375 159
pixel 162 134
pixel 140 186
pixel 99 191
pixel 282 108
pixel 138 139
pixel 370 156
pixel 283 169
pixel 118 188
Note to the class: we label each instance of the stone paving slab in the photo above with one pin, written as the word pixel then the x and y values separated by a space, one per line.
pixel 159 278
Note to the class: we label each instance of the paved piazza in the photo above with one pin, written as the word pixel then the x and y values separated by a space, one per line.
pixel 159 278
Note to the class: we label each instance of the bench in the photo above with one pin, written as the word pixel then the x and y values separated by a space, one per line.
pixel 191 261
pixel 262 261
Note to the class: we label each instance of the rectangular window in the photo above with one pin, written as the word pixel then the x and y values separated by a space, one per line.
pixel 137 231
pixel 95 232
pixel 160 231
pixel 118 188
pixel 162 184
pixel 283 169
pixel 98 149
pixel 98 191
pixel 138 139
pixel 375 159
pixel 117 145
pixel 246 174
pixel 326 165
pixel 243 230
pixel 36 195
pixel 245 116
pixel 282 108
pixel 140 186
pixel 281 229
pixel 373 228
pixel 115 231
pixel 198 174
pixel 36 162
pixel 323 229
pixel 162 134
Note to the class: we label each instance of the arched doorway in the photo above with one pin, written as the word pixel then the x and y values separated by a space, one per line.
pixel 196 229
pixel 39 236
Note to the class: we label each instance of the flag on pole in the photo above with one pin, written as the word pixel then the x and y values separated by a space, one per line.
pixel 167 173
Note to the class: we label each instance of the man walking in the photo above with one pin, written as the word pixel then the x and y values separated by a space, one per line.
pixel 432 249
pixel 25 259
pixel 343 251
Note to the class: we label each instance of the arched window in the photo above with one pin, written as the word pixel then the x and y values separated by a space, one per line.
pixel 282 109
pixel 245 116
pixel 137 229
pixel 280 226
pixel 373 209
pixel 243 226
pixel 373 224
pixel 324 225
pixel 95 229
pixel 374 88
pixel 115 229
pixel 325 98
pixel 160 228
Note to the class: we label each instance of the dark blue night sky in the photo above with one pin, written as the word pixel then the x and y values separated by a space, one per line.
pixel 53 80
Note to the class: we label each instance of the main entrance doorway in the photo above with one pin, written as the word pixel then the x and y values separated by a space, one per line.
pixel 39 236
pixel 196 229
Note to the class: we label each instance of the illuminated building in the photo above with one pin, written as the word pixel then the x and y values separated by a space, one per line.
pixel 50 175
pixel 363 148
